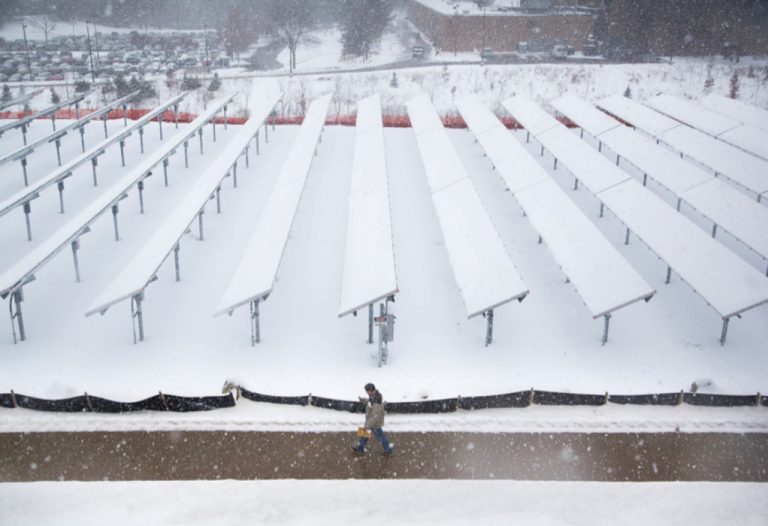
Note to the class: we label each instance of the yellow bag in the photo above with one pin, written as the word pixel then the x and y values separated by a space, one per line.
pixel 363 433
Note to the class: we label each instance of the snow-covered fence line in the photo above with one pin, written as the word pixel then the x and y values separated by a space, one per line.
pixel 519 399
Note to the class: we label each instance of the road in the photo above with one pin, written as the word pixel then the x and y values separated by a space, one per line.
pixel 433 455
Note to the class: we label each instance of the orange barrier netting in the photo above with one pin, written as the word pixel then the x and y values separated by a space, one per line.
pixel 389 121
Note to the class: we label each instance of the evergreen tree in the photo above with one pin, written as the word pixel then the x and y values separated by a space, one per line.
pixel 55 99
pixel 121 86
pixel 363 22
pixel 734 93
pixel 628 92
pixel 215 83
pixel 6 96
pixel 81 86
pixel 393 83
pixel 190 83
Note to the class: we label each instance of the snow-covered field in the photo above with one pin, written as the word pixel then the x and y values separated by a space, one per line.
pixel 549 341
pixel 292 502
pixel 683 77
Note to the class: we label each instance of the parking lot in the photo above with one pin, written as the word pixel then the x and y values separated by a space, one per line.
pixel 66 58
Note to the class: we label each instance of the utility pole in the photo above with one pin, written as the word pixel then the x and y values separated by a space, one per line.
pixel 26 50
pixel 90 52
pixel 207 63
pixel 482 48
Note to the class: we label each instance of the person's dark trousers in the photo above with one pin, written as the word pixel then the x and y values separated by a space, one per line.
pixel 380 436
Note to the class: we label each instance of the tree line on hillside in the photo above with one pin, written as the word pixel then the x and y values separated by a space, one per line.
pixel 638 29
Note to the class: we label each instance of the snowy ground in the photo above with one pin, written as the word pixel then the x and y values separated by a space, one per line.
pixel 547 342
pixel 382 502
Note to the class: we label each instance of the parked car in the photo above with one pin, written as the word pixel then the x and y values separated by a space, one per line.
pixel 559 51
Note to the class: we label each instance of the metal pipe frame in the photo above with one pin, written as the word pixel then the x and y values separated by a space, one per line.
pixel 137 316
pixel 27 211
pixel 370 323
pixel 176 261
pixel 724 331
pixel 115 210
pixel 607 319
pixel 75 247
pixel 255 325
pixel 15 299
pixel 489 328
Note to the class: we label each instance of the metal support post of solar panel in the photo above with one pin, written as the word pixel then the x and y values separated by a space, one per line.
pixel 727 207
pixel 142 269
pixel 254 277
pixel 15 278
pixel 22 153
pixel 746 170
pixel 31 192
pixel 604 280
pixel 725 281
pixel 484 273
pixel 369 261
pixel 746 137
pixel 24 122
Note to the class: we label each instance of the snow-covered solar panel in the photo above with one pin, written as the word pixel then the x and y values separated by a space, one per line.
pixel 601 276
pixel 741 167
pixel 64 171
pixel 255 274
pixel 50 110
pixel 587 165
pixel 663 166
pixel 24 151
pixel 483 271
pixel 726 206
pixel 369 261
pixel 583 114
pixel 744 218
pixel 749 138
pixel 20 273
pixel 141 270
pixel 698 259
pixel 745 113
pixel 737 165
pixel 725 281
pixel 690 113
pixel 530 116
pixel 639 116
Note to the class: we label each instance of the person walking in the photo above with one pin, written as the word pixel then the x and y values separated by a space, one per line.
pixel 374 420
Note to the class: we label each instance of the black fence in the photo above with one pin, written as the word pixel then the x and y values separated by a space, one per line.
pixel 94 404
pixel 519 399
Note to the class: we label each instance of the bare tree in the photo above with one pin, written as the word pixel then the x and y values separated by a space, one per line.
pixel 292 19
pixel 44 24
pixel 236 33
